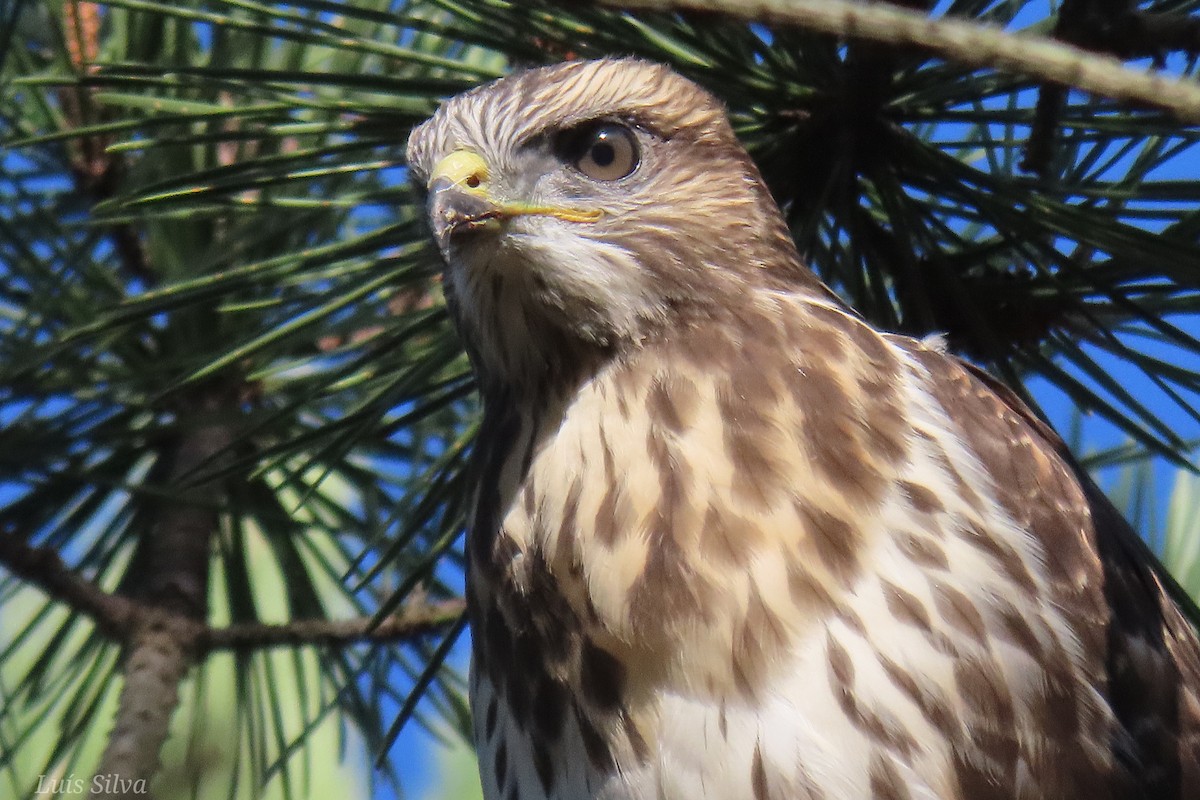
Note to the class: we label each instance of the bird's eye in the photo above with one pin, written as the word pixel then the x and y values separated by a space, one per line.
pixel 605 151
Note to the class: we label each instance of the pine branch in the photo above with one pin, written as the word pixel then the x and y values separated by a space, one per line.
pixel 42 567
pixel 963 42
pixel 173 580
pixel 1116 27
pixel 120 617
pixel 157 659
pixel 413 620
pixel 1119 27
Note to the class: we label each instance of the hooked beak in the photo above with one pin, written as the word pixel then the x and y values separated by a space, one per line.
pixel 459 199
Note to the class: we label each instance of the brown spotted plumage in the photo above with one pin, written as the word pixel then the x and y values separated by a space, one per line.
pixel 731 543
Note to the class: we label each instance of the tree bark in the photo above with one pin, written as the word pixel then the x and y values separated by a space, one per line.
pixel 174 561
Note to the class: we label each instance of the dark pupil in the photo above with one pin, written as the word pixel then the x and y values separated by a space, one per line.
pixel 603 153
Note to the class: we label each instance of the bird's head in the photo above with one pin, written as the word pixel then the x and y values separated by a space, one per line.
pixel 589 205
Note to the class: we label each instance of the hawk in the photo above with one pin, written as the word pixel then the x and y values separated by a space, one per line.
pixel 729 542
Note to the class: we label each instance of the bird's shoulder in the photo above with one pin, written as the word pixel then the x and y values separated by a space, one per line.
pixel 1125 606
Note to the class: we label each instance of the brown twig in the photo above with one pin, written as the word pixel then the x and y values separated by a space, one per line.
pixel 119 617
pixel 1043 133
pixel 1075 18
pixel 96 171
pixel 43 568
pixel 967 43
pixel 415 619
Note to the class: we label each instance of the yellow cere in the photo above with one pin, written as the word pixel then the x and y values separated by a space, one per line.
pixel 463 168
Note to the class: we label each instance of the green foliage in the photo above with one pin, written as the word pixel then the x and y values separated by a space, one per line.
pixel 1181 546
pixel 209 197
pixel 203 212
pixel 202 761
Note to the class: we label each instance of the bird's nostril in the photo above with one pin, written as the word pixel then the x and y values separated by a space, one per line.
pixel 463 168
